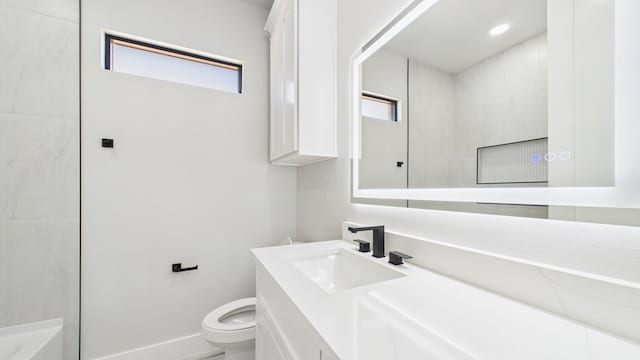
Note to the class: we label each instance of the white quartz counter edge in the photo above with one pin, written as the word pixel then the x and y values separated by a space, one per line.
pixel 459 320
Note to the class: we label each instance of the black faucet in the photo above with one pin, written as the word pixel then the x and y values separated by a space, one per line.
pixel 378 238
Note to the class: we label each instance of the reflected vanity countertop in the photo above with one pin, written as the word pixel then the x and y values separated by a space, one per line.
pixel 420 314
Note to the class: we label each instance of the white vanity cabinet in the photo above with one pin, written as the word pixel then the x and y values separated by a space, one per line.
pixel 282 332
pixel 268 344
pixel 303 81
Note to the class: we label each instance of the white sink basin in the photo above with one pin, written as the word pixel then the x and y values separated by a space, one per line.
pixel 340 269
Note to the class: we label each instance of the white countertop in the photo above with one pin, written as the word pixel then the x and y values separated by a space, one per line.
pixel 444 318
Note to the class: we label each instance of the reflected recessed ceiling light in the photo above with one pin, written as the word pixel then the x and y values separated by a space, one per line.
pixel 499 30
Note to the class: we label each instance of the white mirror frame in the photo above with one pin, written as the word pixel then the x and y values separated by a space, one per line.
pixel 626 191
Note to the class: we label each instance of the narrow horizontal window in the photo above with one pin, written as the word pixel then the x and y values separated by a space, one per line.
pixel 163 63
pixel 379 107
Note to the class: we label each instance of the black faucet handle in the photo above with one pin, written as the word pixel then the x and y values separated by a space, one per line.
pixel 363 246
pixel 396 257
pixel 365 228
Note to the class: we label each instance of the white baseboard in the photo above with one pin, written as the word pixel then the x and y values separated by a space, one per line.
pixel 191 347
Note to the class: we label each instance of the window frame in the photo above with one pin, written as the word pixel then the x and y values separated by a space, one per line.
pixel 110 39
pixel 394 104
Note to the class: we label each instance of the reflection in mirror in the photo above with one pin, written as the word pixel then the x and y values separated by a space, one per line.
pixel 514 93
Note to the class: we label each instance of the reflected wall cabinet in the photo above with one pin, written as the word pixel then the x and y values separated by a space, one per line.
pixel 303 81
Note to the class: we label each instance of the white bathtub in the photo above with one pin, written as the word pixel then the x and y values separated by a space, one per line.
pixel 34 341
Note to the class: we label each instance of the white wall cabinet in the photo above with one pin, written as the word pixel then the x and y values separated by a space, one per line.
pixel 282 331
pixel 303 81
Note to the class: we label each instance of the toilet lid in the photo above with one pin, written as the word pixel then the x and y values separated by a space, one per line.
pixel 236 315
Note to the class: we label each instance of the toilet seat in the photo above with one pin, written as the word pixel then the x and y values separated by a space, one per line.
pixel 216 330
pixel 214 320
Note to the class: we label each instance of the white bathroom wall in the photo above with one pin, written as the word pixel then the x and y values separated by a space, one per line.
pixel 188 179
pixel 39 164
pixel 324 202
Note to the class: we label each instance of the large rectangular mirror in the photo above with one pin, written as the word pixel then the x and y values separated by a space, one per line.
pixel 507 110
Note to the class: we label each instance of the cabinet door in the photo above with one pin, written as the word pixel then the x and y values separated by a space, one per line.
pixel 295 336
pixel 267 347
pixel 284 127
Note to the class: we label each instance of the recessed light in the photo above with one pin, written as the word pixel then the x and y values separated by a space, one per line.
pixel 499 30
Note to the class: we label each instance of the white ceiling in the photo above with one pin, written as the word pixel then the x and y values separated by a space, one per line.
pixel 263 3
pixel 454 34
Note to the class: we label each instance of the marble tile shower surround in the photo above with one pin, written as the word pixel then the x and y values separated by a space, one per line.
pixel 39 164
pixel 40 55
pixel 42 168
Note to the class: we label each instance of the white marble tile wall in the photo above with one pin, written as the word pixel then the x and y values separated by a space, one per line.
pixel 42 170
pixel 39 164
pixel 3 260
pixel 585 43
pixel 4 119
pixel 500 100
pixel 4 123
pixel 431 135
pixel 486 104
pixel 62 9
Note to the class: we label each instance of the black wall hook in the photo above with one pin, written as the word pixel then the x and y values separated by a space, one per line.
pixel 107 143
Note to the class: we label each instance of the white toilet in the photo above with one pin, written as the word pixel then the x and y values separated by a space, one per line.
pixel 232 327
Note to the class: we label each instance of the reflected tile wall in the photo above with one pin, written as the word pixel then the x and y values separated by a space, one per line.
pixel 39 164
